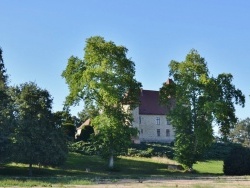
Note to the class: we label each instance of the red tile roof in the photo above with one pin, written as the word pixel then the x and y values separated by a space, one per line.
pixel 150 103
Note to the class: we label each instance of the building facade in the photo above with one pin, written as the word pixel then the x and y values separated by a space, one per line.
pixel 150 119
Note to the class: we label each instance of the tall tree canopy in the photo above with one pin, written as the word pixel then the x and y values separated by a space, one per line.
pixel 105 81
pixel 87 114
pixel 240 132
pixel 3 75
pixel 199 101
pixel 67 123
pixel 6 115
pixel 37 139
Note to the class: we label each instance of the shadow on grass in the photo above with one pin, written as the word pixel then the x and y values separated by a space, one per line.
pixel 81 169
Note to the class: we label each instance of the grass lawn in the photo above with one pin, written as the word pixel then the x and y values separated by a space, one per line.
pixel 209 167
pixel 83 170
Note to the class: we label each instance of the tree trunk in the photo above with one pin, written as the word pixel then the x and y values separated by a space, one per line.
pixel 30 169
pixel 111 161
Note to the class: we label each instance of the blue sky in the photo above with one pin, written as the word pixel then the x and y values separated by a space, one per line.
pixel 38 37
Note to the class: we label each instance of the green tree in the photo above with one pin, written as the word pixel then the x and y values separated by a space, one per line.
pixel 6 113
pixel 105 81
pixel 200 100
pixel 87 113
pixel 240 132
pixel 37 140
pixel 67 123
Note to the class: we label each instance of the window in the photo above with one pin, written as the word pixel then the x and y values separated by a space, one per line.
pixel 158 132
pixel 167 132
pixel 141 131
pixel 158 122
pixel 139 119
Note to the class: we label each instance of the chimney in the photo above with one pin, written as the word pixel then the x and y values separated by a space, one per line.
pixel 169 81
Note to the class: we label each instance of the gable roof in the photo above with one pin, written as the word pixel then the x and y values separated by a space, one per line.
pixel 86 123
pixel 150 103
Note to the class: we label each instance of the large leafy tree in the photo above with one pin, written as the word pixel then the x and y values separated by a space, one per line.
pixel 6 115
pixel 105 81
pixel 87 114
pixel 240 132
pixel 67 123
pixel 200 100
pixel 37 139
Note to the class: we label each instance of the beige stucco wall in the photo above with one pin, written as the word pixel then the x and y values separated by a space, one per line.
pixel 135 123
pixel 147 127
pixel 135 114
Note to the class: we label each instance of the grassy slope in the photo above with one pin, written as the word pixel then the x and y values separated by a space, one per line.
pixel 74 171
pixel 209 167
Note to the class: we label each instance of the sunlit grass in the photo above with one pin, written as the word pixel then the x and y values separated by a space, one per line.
pixel 160 160
pixel 43 182
pixel 209 167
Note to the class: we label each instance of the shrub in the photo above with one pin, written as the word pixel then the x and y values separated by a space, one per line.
pixel 219 151
pixel 237 162
pixel 69 131
pixel 151 149
pixel 140 153
pixel 82 147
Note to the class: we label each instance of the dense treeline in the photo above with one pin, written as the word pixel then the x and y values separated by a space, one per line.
pixel 6 115
pixel 29 131
pixel 104 80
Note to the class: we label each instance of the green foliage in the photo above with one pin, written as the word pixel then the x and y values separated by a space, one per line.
pixel 85 148
pixel 68 123
pixel 103 78
pixel 88 113
pixel 199 100
pixel 225 96
pixel 105 81
pixel 151 150
pixel 237 162
pixel 6 114
pixel 69 130
pixel 219 151
pixel 37 139
pixel 140 153
pixel 135 150
pixel 113 137
pixel 240 132
pixel 3 75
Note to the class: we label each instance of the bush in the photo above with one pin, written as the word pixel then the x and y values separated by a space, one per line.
pixel 237 162
pixel 219 151
pixel 82 147
pixel 150 150
pixel 140 153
